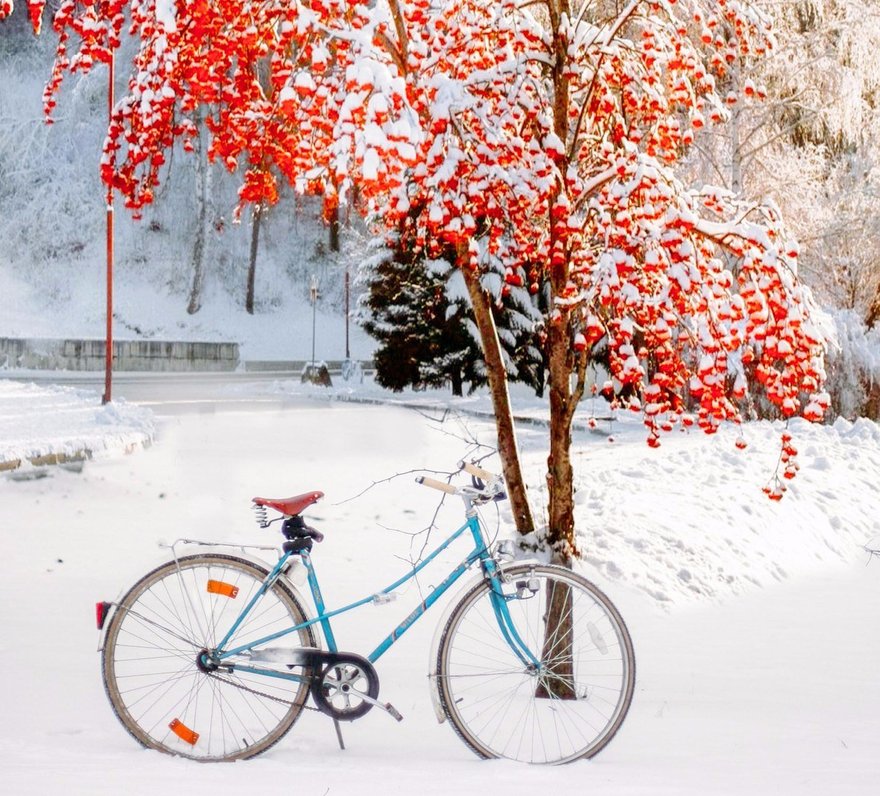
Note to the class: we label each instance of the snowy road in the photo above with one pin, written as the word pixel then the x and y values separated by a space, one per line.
pixel 774 692
pixel 176 393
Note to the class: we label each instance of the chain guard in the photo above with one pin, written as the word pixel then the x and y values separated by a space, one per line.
pixel 343 678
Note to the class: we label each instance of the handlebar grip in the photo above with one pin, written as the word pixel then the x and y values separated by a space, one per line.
pixel 434 484
pixel 478 472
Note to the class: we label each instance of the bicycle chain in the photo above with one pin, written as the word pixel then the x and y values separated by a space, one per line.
pixel 250 690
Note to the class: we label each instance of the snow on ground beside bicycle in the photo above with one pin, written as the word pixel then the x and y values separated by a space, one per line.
pixel 722 534
pixel 754 623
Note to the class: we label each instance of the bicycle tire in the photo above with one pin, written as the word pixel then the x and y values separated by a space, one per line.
pixel 568 709
pixel 158 691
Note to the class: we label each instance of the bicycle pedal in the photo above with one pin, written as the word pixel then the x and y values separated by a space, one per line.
pixel 392 711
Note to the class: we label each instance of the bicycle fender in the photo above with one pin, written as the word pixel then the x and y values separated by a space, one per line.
pixel 433 674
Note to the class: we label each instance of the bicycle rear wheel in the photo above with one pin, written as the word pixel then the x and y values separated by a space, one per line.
pixel 568 707
pixel 161 691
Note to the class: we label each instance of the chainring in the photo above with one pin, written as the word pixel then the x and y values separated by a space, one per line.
pixel 342 683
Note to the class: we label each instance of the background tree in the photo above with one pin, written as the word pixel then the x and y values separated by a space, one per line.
pixel 801 129
pixel 204 216
pixel 257 212
pixel 419 311
pixel 422 342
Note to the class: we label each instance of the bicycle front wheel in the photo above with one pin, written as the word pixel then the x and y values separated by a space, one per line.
pixel 566 707
pixel 158 683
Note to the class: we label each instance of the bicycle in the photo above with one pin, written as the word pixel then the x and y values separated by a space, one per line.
pixel 533 662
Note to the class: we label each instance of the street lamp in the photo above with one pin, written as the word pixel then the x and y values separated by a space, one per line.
pixel 347 312
pixel 313 296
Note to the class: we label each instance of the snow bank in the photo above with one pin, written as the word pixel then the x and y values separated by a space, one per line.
pixel 687 521
pixel 45 420
pixel 720 705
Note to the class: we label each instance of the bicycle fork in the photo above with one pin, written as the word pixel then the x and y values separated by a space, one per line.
pixel 525 590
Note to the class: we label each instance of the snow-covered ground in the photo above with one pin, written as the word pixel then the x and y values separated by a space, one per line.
pixel 41 420
pixel 754 622
pixel 711 488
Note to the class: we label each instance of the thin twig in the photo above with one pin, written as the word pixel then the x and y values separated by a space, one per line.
pixel 466 436
pixel 391 478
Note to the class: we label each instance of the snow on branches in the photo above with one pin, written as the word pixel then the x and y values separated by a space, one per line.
pixel 283 94
pixel 542 134
pixel 35 12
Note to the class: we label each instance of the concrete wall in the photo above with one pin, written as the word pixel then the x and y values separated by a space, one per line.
pixel 140 355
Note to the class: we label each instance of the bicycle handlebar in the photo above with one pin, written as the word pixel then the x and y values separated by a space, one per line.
pixel 435 484
pixel 478 472
pixel 492 487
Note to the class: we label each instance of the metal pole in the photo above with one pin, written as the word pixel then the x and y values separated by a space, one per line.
pixel 108 351
pixel 347 352
pixel 313 292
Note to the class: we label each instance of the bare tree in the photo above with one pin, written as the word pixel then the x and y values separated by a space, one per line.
pixel 204 213
pixel 256 221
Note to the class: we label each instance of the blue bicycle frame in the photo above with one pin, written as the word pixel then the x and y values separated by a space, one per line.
pixel 479 553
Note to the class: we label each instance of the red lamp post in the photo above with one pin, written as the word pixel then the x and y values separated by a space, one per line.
pixel 108 351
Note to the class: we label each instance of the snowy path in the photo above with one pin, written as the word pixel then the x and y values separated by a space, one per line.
pixel 772 692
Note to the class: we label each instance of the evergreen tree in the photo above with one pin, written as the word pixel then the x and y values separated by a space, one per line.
pixel 407 311
pixel 419 311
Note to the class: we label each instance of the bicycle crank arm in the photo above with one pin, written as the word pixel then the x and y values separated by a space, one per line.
pixel 310 656
pixel 386 706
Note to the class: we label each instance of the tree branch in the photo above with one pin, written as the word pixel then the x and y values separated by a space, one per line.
pixel 400 56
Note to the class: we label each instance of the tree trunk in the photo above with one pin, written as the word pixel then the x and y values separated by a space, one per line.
pixel 557 652
pixel 873 315
pixel 497 374
pixel 257 218
pixel 457 382
pixel 203 200
pixel 560 474
pixel 334 228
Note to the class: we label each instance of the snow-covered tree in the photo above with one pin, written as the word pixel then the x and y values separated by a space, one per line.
pixel 419 311
pixel 541 134
pixel 803 131
pixel 423 341
pixel 801 128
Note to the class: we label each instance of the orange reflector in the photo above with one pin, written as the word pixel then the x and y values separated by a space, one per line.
pixel 183 732
pixel 219 587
